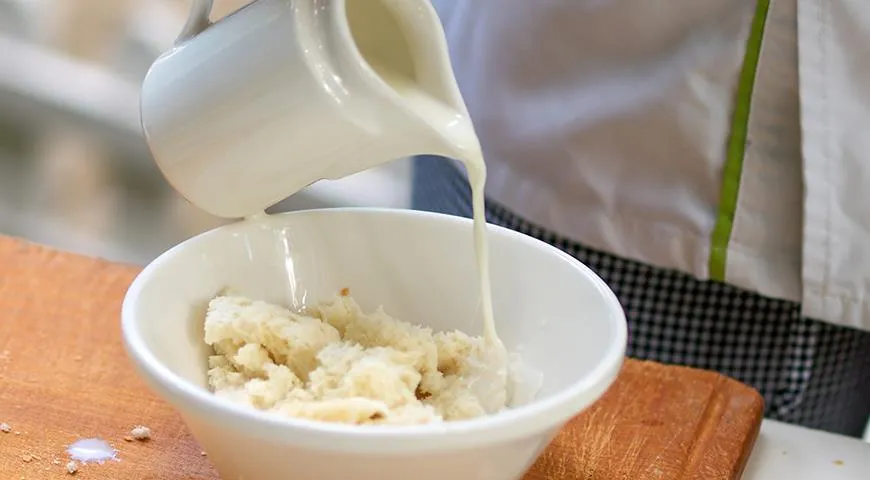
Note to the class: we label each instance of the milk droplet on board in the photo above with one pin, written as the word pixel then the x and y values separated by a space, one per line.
pixel 92 450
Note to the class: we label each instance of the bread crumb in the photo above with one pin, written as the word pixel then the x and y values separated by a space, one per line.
pixel 17 432
pixel 202 453
pixel 336 363
pixel 5 428
pixel 839 463
pixel 27 458
pixel 56 461
pixel 72 468
pixel 128 438
pixel 141 433
pixel 345 292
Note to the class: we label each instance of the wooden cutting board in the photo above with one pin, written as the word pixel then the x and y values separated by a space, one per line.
pixel 64 376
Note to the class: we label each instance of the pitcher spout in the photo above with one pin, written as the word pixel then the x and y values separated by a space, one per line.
pixel 405 57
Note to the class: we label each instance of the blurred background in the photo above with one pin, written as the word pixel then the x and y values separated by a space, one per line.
pixel 75 172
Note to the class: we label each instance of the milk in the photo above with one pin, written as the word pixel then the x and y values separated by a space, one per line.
pixel 456 128
pixel 382 44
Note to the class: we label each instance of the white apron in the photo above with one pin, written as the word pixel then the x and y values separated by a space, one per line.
pixel 722 138
pixel 835 123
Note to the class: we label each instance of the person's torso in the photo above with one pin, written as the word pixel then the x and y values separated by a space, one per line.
pixel 665 132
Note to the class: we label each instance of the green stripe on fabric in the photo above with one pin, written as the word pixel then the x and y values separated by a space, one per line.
pixel 736 146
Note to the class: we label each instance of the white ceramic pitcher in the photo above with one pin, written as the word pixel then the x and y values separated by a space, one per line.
pixel 246 111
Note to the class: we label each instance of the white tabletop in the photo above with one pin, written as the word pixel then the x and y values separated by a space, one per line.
pixel 794 453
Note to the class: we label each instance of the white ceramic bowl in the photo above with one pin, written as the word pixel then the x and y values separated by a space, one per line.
pixel 563 319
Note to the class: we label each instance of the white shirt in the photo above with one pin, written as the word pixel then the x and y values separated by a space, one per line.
pixel 609 122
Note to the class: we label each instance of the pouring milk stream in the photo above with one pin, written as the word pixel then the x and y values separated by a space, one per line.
pixel 246 111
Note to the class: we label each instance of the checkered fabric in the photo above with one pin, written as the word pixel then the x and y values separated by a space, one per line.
pixel 810 373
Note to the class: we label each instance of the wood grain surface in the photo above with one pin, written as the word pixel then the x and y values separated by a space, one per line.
pixel 64 376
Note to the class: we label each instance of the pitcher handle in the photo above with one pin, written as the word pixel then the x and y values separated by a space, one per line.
pixel 197 20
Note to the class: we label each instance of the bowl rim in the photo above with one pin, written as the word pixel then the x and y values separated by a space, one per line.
pixel 524 421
